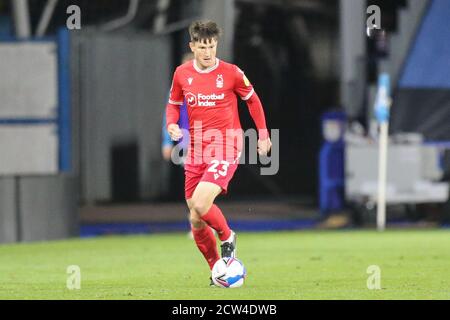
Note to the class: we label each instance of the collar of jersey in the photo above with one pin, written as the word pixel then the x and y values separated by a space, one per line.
pixel 214 67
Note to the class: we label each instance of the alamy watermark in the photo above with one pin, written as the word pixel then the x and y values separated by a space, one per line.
pixel 73 22
pixel 374 280
pixel 374 20
pixel 74 279
pixel 233 146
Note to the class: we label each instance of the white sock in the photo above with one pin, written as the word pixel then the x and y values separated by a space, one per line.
pixel 230 238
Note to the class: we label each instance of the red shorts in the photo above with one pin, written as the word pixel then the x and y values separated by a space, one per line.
pixel 219 172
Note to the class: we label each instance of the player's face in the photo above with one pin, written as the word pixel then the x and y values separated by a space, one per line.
pixel 204 52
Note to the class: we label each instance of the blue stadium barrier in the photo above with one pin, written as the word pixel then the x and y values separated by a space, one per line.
pixel 428 63
pixel 331 168
pixel 64 107
pixel 92 230
pixel 63 118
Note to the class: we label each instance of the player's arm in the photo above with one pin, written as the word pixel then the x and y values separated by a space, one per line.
pixel 173 109
pixel 245 90
pixel 257 113
pixel 166 141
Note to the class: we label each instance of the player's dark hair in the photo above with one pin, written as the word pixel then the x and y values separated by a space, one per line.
pixel 204 30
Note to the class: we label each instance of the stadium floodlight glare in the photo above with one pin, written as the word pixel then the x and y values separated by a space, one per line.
pixel 382 106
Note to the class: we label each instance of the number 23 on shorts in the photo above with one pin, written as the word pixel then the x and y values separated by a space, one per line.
pixel 223 169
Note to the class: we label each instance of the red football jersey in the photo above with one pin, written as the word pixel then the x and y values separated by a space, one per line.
pixel 211 99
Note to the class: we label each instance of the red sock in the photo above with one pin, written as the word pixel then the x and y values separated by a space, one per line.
pixel 215 219
pixel 206 243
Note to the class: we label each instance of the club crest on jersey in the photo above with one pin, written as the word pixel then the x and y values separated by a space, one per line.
pixel 219 81
pixel 190 80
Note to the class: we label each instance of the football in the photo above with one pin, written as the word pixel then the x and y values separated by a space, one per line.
pixel 228 273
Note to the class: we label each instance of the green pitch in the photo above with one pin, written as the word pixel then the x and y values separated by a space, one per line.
pixel 284 265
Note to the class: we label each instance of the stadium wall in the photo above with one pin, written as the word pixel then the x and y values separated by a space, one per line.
pixel 38 193
pixel 8 221
pixel 120 87
pixel 38 208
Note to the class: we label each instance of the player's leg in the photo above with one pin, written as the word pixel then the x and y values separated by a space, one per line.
pixel 204 209
pixel 203 235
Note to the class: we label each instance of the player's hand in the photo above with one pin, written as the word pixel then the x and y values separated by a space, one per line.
pixel 264 147
pixel 174 132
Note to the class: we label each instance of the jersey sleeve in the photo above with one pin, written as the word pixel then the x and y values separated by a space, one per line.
pixel 245 90
pixel 176 92
pixel 175 101
pixel 242 86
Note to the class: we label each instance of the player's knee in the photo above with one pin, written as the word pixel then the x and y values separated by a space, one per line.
pixel 201 207
pixel 196 221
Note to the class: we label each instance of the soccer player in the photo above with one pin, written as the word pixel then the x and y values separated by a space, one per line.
pixel 210 87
